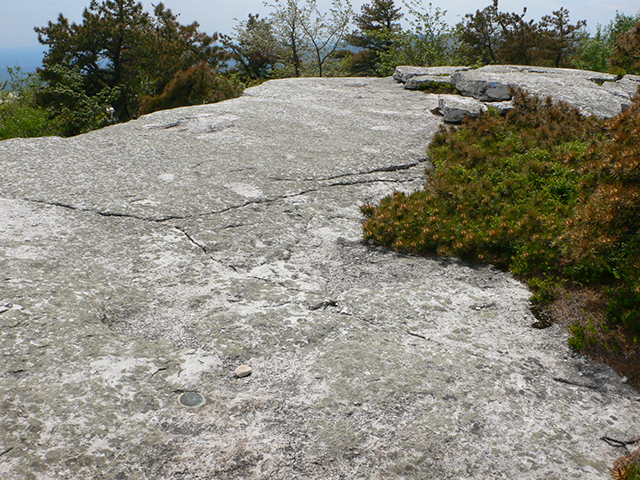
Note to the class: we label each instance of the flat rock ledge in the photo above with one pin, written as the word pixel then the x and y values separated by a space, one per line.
pixel 142 264
pixel 593 93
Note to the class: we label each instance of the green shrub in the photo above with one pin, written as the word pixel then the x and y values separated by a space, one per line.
pixel 70 107
pixel 627 467
pixel 194 86
pixel 501 192
pixel 20 115
pixel 602 241
pixel 18 119
pixel 545 192
pixel 582 337
pixel 438 87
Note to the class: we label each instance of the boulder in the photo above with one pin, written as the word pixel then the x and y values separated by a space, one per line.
pixel 621 91
pixel 581 89
pixel 502 107
pixel 593 93
pixel 403 73
pixel 454 107
pixel 625 89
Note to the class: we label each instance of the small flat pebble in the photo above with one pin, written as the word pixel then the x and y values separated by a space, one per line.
pixel 243 371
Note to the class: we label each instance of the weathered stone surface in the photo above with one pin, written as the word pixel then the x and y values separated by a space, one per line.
pixel 624 89
pixel 150 259
pixel 454 107
pixel 582 89
pixel 404 73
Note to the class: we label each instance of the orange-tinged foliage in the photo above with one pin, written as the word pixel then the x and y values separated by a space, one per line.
pixel 545 192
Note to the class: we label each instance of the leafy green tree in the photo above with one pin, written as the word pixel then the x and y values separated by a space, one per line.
pixel 519 38
pixel 120 46
pixel 479 35
pixel 287 19
pixel 325 32
pixel 429 40
pixel 377 24
pixel 596 52
pixel 626 51
pixel 71 108
pixel 621 24
pixel 492 36
pixel 304 38
pixel 102 49
pixel 254 48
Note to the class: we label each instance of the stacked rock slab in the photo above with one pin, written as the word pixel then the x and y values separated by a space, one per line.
pixel 592 93
pixel 454 107
pixel 404 73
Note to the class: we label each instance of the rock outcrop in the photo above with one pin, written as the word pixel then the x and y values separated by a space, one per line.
pixel 593 93
pixel 141 265
pixel 454 107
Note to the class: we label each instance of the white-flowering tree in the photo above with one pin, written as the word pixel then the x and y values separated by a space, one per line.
pixel 308 37
pixel 326 32
pixel 287 19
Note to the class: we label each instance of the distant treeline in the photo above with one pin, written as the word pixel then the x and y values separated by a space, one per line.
pixel 121 62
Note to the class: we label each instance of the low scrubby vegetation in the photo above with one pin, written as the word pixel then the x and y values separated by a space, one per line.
pixel 552 196
pixel 20 115
pixel 627 467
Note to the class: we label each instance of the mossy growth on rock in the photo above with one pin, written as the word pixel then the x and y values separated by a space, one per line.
pixel 438 87
pixel 549 194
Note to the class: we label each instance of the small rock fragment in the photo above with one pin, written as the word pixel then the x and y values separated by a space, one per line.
pixel 243 371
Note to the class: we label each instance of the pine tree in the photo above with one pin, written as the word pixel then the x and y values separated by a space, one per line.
pixel 376 25
pixel 118 47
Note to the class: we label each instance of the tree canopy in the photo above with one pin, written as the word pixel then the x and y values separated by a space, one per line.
pixel 377 24
pixel 121 52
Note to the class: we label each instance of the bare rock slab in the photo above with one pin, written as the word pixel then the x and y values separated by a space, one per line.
pixel 579 88
pixel 144 262
pixel 593 93
pixel 454 107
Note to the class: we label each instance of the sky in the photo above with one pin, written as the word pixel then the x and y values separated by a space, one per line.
pixel 18 17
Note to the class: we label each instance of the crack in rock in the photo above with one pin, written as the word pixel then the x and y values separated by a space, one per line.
pixel 576 384
pixel 390 168
pixel 231 207
pixel 104 213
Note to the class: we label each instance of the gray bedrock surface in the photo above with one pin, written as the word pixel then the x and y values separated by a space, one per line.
pixel 154 257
